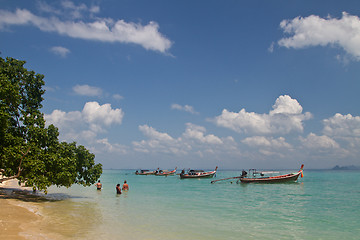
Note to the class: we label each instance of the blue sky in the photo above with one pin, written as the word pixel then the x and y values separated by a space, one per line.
pixel 196 84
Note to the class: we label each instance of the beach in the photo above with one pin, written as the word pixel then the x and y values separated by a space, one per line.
pixel 18 216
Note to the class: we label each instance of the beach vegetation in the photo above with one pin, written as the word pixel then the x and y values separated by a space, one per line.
pixel 29 150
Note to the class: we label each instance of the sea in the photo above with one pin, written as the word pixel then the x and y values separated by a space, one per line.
pixel 324 204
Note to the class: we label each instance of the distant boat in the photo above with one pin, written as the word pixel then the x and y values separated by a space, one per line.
pixel 165 172
pixel 197 174
pixel 255 178
pixel 145 172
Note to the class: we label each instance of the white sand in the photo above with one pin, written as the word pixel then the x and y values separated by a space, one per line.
pixel 16 219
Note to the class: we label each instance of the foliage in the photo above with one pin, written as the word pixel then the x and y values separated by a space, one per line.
pixel 29 150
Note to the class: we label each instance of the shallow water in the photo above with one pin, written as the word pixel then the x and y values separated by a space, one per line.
pixel 322 205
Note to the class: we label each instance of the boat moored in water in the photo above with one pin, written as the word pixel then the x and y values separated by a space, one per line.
pixel 260 177
pixel 165 172
pixel 145 172
pixel 197 174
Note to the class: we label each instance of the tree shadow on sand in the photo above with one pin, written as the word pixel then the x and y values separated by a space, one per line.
pixel 30 196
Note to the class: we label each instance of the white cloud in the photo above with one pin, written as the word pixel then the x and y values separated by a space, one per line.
pixel 62 119
pixel 111 148
pixel 154 134
pixel 185 108
pixel 86 90
pixel 342 126
pixel 67 9
pixel 314 141
pixel 317 31
pixel 101 115
pixel 61 51
pixel 158 142
pixel 268 146
pixel 105 30
pixel 70 5
pixel 85 125
pixel 44 7
pixel 197 133
pixel 285 117
pixel 193 140
pixel 261 141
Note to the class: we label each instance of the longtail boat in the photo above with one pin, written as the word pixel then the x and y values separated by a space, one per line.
pixel 145 172
pixel 259 177
pixel 197 174
pixel 254 178
pixel 165 172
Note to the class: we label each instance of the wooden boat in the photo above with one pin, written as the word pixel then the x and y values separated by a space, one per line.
pixel 145 172
pixel 165 172
pixel 291 177
pixel 197 174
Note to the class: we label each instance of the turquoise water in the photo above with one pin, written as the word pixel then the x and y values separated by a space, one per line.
pixel 322 205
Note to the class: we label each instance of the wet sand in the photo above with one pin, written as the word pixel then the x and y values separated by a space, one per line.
pixel 16 220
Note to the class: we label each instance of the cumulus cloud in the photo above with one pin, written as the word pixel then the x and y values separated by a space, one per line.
pixel 268 146
pixel 316 31
pixel 111 148
pixel 197 133
pixel 185 108
pixel 158 142
pixel 101 115
pixel 103 29
pixel 261 141
pixel 61 51
pixel 87 126
pixel 193 140
pixel 93 119
pixel 342 126
pixel 314 141
pixel 285 117
pixel 154 134
pixel 86 90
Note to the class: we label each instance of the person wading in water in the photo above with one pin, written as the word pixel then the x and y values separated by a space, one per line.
pixel 118 190
pixel 98 185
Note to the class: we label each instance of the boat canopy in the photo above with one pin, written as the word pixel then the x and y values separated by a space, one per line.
pixel 196 171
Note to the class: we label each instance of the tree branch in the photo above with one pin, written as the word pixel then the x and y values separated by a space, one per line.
pixel 19 169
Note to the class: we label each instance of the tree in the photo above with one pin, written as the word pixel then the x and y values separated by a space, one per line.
pixel 29 151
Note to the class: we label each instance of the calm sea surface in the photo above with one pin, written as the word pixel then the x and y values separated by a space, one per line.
pixel 322 205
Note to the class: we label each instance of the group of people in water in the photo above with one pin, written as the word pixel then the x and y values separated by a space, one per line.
pixel 125 187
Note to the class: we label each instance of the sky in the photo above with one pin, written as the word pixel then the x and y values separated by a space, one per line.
pixel 268 84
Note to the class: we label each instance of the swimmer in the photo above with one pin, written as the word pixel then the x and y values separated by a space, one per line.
pixel 125 186
pixel 118 190
pixel 98 185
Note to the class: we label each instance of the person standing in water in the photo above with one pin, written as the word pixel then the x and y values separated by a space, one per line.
pixel 125 186
pixel 98 185
pixel 118 190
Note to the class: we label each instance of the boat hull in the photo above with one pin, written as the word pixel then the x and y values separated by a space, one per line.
pixel 145 173
pixel 166 173
pixel 207 175
pixel 292 177
pixel 198 174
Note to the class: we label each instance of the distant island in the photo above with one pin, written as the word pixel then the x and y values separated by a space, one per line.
pixel 351 167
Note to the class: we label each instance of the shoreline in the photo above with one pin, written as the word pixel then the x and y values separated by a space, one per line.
pixel 18 216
